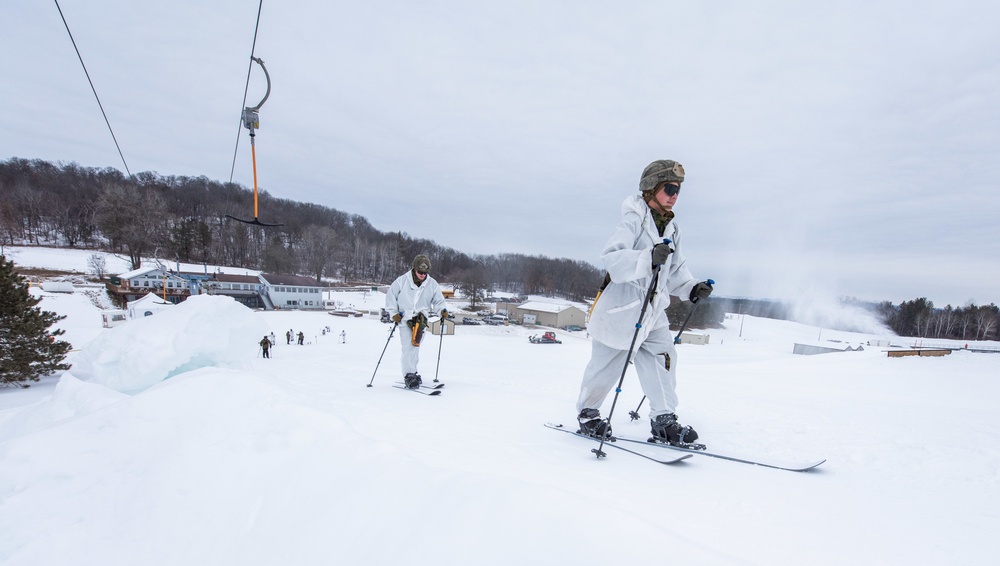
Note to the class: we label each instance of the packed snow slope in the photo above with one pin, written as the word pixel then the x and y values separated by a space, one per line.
pixel 232 459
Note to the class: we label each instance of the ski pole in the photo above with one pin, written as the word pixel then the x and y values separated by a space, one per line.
pixel 696 302
pixel 634 415
pixel 394 325
pixel 440 343
pixel 635 336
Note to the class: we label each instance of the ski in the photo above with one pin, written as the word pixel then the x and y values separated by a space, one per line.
pixel 658 460
pixel 700 449
pixel 433 392
pixel 435 386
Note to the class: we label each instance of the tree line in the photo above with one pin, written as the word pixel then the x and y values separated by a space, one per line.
pixel 185 218
pixel 919 318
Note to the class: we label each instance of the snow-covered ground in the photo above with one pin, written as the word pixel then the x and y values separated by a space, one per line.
pixel 235 459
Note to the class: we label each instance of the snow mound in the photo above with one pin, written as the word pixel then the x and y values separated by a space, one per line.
pixel 203 331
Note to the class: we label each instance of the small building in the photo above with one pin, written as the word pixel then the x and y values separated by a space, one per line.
pixel 699 339
pixel 548 314
pixel 449 327
pixel 113 317
pixel 292 291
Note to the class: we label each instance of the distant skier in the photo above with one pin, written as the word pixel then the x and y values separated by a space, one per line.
pixel 630 255
pixel 265 347
pixel 302 338
pixel 272 339
pixel 413 296
pixel 288 337
pixel 343 337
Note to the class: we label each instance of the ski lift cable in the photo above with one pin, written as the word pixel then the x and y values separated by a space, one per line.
pixel 92 88
pixel 246 90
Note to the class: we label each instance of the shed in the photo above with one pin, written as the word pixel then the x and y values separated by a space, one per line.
pixel 548 314
pixel 449 327
pixel 699 339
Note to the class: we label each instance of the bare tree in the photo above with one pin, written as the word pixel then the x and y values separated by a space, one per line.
pixel 97 265
pixel 317 249
pixel 132 219
pixel 985 318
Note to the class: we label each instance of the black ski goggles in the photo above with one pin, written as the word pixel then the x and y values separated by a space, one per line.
pixel 671 189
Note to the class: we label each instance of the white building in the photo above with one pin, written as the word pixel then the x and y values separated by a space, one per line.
pixel 549 314
pixel 292 291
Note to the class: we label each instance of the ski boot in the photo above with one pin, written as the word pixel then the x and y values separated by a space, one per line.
pixel 412 381
pixel 591 424
pixel 667 430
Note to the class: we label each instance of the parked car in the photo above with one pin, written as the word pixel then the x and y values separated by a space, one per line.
pixel 572 328
pixel 472 321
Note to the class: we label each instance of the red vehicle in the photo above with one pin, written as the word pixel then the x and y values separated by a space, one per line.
pixel 546 338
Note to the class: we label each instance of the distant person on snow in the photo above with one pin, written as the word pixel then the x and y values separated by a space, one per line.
pixel 635 248
pixel 413 296
pixel 265 346
pixel 288 337
pixel 302 338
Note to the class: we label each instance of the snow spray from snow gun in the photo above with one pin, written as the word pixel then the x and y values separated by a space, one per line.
pixel 391 332
pixel 634 415
pixel 628 358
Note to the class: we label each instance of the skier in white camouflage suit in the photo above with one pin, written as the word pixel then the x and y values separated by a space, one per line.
pixel 632 252
pixel 413 297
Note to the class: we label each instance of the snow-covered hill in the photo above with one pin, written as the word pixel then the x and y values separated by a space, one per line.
pixel 240 460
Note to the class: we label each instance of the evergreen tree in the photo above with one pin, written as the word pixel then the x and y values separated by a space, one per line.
pixel 27 348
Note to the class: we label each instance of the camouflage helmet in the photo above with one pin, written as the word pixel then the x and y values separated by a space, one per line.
pixel 659 171
pixel 422 263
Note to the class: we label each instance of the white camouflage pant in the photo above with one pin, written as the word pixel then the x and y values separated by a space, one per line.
pixel 411 353
pixel 651 359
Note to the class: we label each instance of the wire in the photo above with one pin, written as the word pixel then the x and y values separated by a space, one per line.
pixel 246 89
pixel 106 121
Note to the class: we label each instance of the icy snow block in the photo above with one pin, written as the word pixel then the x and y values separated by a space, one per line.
pixel 203 331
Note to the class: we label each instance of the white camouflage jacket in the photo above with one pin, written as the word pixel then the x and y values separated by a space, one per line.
pixel 628 258
pixel 404 296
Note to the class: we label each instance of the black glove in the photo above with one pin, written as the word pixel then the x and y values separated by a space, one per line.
pixel 701 291
pixel 660 253
pixel 397 317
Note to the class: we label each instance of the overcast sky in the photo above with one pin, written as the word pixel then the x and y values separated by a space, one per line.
pixel 836 148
